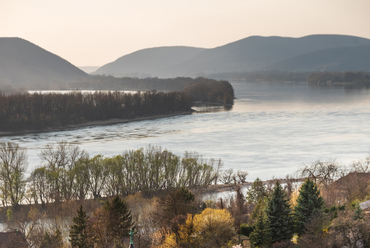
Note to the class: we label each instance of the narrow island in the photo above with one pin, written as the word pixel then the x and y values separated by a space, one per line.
pixel 20 113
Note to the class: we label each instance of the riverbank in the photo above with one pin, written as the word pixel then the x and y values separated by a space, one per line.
pixel 93 123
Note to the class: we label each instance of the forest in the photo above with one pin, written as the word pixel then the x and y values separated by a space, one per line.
pixel 358 79
pixel 74 200
pixel 40 111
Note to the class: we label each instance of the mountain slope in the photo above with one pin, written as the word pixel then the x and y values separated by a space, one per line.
pixel 332 59
pixel 151 61
pixel 258 53
pixel 254 53
pixel 23 64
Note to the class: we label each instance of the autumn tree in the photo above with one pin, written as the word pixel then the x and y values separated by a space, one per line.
pixel 213 227
pixel 173 203
pixel 309 202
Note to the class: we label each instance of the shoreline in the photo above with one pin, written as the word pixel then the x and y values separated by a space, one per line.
pixel 92 124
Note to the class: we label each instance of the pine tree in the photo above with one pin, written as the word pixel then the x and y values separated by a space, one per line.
pixel 256 191
pixel 119 220
pixel 280 215
pixel 52 241
pixel 79 235
pixel 309 203
pixel 261 234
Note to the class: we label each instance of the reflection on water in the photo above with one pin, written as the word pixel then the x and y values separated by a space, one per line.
pixel 272 130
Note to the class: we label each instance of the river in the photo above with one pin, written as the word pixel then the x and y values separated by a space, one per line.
pixel 272 130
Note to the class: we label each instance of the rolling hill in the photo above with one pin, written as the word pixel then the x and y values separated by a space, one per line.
pixel 147 62
pixel 254 53
pixel 24 64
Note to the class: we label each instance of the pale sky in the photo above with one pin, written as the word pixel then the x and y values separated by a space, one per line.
pixel 96 32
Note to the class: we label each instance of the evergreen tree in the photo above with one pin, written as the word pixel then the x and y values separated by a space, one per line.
pixel 79 234
pixel 280 215
pixel 261 234
pixel 52 241
pixel 309 203
pixel 256 192
pixel 119 220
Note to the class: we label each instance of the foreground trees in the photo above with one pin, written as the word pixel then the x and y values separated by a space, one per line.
pixel 70 174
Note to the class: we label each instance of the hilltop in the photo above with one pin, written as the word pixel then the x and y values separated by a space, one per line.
pixel 255 53
pixel 24 64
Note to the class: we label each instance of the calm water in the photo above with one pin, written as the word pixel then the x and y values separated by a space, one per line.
pixel 272 130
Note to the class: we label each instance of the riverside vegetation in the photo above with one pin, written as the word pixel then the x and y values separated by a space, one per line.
pixel 73 200
pixel 20 112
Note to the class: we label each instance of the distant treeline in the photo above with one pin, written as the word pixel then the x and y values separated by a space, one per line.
pixel 340 78
pixel 264 76
pixel 39 111
pixel 199 89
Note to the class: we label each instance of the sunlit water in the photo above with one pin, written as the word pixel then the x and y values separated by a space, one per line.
pixel 272 130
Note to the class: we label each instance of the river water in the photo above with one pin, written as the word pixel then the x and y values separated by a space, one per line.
pixel 272 130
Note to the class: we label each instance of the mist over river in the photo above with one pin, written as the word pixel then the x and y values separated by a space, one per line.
pixel 272 130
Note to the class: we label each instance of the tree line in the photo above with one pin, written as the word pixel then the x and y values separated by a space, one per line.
pixel 359 79
pixel 69 173
pixel 38 111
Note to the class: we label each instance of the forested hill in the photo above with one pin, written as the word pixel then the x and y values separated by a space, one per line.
pixel 254 53
pixel 24 64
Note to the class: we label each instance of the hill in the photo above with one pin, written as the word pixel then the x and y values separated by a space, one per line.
pixel 24 64
pixel 254 53
pixel 149 62
pixel 333 59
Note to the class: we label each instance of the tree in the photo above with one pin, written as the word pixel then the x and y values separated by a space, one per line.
pixel 176 202
pixel 279 215
pixel 52 240
pixel 256 191
pixel 13 163
pixel 213 227
pixel 79 233
pixel 119 220
pixel 309 203
pixel 261 234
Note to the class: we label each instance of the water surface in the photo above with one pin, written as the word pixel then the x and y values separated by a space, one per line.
pixel 272 130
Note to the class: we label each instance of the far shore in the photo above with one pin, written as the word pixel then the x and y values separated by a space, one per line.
pixel 92 123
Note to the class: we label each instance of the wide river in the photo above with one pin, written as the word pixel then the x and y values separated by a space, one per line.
pixel 272 130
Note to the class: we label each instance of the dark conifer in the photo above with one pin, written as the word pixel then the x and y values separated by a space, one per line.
pixel 261 234
pixel 309 203
pixel 280 215
pixel 79 235
pixel 119 220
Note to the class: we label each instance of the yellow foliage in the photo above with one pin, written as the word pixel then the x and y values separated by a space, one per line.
pixel 164 239
pixel 293 198
pixel 186 230
pixel 214 226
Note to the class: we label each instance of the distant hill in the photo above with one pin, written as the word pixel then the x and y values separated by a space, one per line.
pixel 23 64
pixel 149 62
pixel 333 59
pixel 254 53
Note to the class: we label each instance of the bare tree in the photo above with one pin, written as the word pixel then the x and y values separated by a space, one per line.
pixel 13 163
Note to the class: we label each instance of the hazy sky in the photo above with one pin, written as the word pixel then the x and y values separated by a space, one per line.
pixel 95 32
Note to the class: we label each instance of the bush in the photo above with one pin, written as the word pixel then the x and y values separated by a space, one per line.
pixel 246 229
